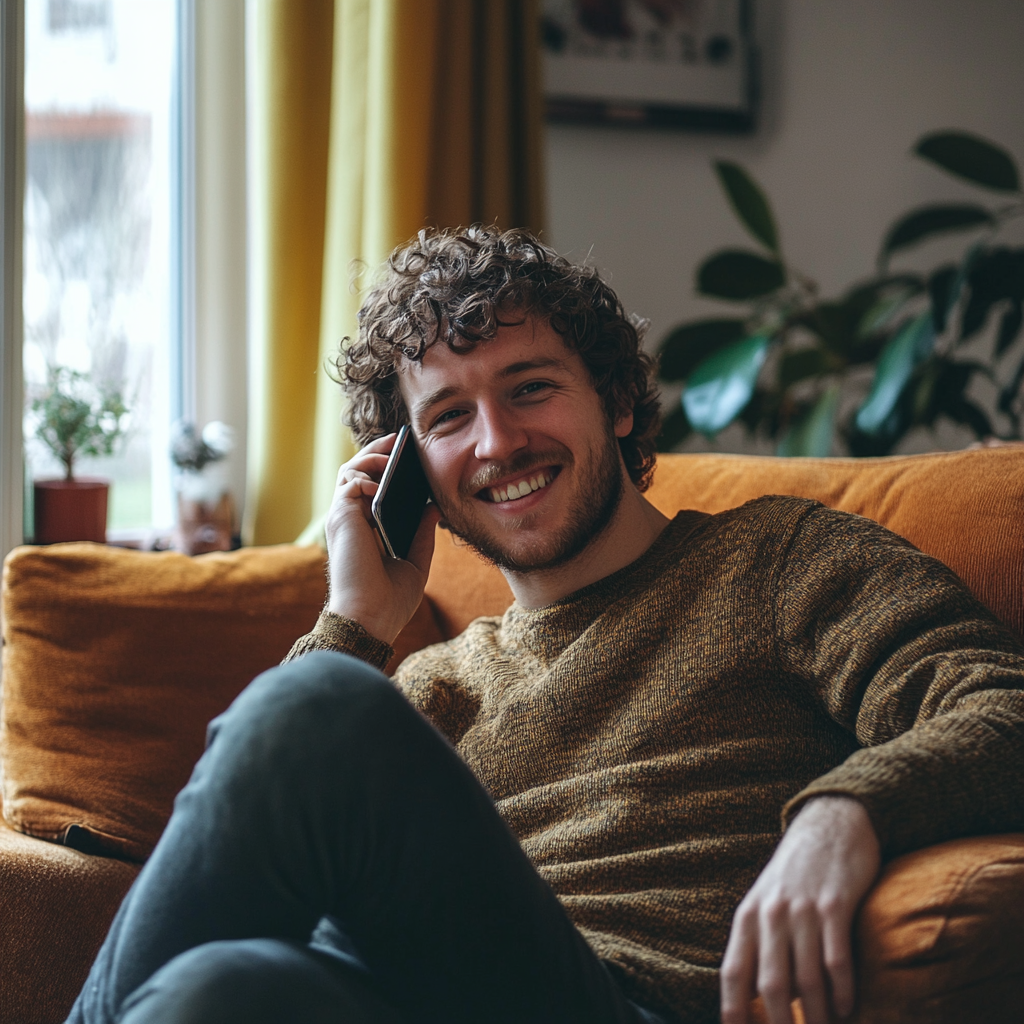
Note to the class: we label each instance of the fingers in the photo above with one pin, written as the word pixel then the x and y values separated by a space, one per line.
pixel 774 960
pixel 838 954
pixel 366 464
pixel 358 478
pixel 370 459
pixel 739 967
pixel 780 949
pixel 807 966
pixel 364 489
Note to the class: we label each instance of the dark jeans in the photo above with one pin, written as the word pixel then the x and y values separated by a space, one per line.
pixel 333 860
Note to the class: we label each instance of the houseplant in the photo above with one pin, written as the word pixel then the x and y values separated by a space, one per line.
pixel 205 509
pixel 884 357
pixel 73 417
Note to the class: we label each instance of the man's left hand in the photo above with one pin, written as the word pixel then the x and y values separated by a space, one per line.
pixel 792 934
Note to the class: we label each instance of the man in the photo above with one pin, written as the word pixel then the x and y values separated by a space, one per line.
pixel 626 738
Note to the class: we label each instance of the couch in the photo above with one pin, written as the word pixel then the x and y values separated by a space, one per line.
pixel 114 661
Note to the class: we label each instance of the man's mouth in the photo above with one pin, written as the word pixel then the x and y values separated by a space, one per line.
pixel 520 488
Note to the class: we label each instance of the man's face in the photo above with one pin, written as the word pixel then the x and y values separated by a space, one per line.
pixel 516 443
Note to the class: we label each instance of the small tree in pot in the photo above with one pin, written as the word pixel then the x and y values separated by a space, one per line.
pixel 72 417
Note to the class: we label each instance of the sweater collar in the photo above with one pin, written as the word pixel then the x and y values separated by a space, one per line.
pixel 547 631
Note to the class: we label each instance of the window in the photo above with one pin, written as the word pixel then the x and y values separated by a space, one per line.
pixel 102 191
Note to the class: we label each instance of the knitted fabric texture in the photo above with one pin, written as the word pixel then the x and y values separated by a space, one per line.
pixel 647 737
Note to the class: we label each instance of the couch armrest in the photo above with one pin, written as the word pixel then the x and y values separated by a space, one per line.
pixel 941 936
pixel 56 905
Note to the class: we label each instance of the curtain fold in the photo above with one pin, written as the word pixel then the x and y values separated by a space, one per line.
pixel 372 118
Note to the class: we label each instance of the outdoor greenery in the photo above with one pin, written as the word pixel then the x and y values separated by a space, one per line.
pixel 73 417
pixel 787 363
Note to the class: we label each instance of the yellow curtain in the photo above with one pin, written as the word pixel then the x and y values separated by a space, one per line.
pixel 372 119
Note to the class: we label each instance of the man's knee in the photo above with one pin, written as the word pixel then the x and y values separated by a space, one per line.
pixel 253 981
pixel 211 983
pixel 321 705
pixel 256 981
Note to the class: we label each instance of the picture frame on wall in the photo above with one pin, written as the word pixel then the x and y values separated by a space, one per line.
pixel 670 63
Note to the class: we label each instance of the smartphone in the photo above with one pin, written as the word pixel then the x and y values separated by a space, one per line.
pixel 401 498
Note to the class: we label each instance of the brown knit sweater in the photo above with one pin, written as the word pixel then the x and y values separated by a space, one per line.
pixel 642 736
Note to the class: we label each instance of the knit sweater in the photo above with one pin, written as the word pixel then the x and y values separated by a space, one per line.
pixel 647 737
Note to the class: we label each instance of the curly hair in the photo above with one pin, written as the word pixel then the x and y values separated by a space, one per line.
pixel 455 285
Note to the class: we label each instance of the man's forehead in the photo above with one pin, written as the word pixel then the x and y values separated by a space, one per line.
pixel 444 372
pixel 511 347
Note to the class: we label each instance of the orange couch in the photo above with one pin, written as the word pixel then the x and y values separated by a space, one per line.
pixel 115 660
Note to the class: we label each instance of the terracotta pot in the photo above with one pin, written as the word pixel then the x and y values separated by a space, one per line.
pixel 204 526
pixel 71 510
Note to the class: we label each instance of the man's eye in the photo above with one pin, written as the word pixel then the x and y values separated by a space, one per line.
pixel 447 417
pixel 534 387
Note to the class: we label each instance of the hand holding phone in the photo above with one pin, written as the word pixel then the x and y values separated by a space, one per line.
pixel 401 497
pixel 366 583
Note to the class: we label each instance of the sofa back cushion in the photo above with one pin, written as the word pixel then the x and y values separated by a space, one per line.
pixel 965 508
pixel 114 661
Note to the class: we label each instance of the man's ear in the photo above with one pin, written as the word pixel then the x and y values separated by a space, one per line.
pixel 623 425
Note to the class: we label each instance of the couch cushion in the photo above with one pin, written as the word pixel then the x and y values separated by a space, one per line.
pixel 940 939
pixel 57 905
pixel 114 661
pixel 965 508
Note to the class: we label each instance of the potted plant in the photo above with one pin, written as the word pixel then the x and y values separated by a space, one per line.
pixel 205 510
pixel 885 357
pixel 73 417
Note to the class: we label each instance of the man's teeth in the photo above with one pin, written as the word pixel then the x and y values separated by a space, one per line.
pixel 521 488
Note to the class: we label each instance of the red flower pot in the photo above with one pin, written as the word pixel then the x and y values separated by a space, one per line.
pixel 71 510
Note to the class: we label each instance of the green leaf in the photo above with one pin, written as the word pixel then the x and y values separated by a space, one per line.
pixel 749 203
pixel 812 435
pixel 689 344
pixel 949 396
pixel 733 274
pixel 721 386
pixel 933 220
pixel 972 158
pixel 993 276
pixel 830 321
pixel 1008 395
pixel 880 315
pixel 1009 327
pixel 895 365
pixel 871 307
pixel 940 289
pixel 675 428
pixel 977 253
pixel 970 414
pixel 807 362
pixel 862 297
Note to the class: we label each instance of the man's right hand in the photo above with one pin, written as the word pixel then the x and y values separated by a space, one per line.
pixel 366 585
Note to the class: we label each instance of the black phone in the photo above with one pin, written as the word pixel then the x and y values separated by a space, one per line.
pixel 401 498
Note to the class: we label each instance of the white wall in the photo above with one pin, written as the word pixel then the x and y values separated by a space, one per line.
pixel 848 87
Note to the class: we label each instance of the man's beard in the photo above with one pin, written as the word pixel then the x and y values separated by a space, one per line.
pixel 592 509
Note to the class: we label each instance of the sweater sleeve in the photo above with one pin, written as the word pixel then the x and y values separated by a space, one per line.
pixel 897 650
pixel 337 633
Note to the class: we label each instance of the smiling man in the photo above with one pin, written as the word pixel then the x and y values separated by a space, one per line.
pixel 662 782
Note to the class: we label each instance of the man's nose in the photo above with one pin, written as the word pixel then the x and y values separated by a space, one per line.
pixel 498 434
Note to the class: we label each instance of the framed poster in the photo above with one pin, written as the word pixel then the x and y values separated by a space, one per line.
pixel 673 63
